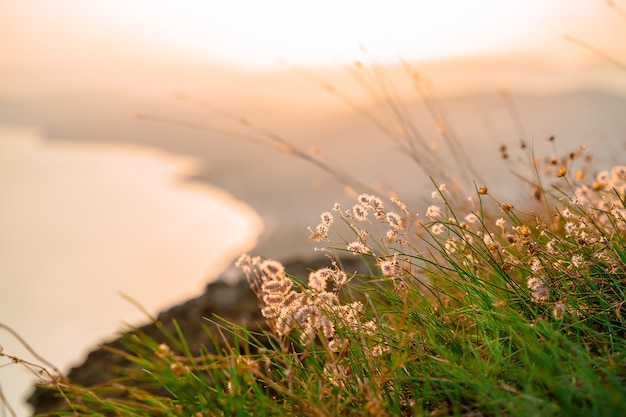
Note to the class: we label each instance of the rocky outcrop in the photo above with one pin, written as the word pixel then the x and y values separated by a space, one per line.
pixel 229 297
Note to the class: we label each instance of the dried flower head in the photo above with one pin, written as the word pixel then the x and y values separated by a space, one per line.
pixel 389 267
pixel 437 229
pixel 394 220
pixel 471 218
pixel 360 212
pixel 433 211
pixel 358 248
pixel 506 207
pixel 327 218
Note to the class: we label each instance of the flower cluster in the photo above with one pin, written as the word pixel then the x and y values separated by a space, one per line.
pixel 604 199
pixel 316 310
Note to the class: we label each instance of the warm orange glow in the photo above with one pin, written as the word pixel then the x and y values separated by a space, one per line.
pixel 78 70
pixel 255 34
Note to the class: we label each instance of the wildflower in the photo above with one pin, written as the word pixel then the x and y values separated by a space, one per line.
pixel 570 227
pixel 524 230
pixel 340 277
pixel 336 207
pixel 577 261
pixel 358 248
pixel 618 213
pixel 379 349
pixel 327 218
pixel 488 239
pixel 618 173
pixel 389 267
pixel 534 283
pixel 437 229
pixel 372 202
pixel 576 201
pixel 550 247
pixel 401 206
pixel 394 220
pixel 360 212
pixel 566 213
pixel 450 246
pixel 270 312
pixel 483 190
pixel 500 223
pixel 558 311
pixel 603 178
pixel 334 372
pixel 433 211
pixel 471 218
pixel 562 172
pixel 318 280
pixel 553 160
pixel 539 290
pixel 369 327
pixel 535 264
pixel 494 247
pixel 506 207
pixel 321 232
pixel 542 294
pixel 273 269
pixel 271 299
pixel 276 286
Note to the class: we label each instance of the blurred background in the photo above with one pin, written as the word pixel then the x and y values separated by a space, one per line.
pixel 95 200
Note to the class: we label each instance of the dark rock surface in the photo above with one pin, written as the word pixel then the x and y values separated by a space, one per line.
pixel 228 297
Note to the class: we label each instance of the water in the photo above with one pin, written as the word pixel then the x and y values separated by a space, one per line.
pixel 81 223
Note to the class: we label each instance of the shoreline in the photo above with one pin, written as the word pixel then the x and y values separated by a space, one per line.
pixel 83 223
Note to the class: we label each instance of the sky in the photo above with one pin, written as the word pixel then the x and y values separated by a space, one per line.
pixel 256 34
pixel 161 46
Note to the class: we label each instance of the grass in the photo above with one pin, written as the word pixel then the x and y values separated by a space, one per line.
pixel 472 307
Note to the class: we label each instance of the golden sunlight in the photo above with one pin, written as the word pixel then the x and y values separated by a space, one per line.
pixel 256 34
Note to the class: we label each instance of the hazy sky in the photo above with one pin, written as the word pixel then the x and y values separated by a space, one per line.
pixel 255 34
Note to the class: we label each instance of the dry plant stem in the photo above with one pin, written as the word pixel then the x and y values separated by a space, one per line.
pixel 56 381
pixel 138 305
pixel 279 143
pixel 197 126
pixel 29 348
pixel 596 51
pixel 7 405
pixel 424 160
pixel 443 126
pixel 510 104
pixel 269 139
pixel 398 110
pixel 611 4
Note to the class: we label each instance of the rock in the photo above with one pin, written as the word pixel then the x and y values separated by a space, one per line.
pixel 228 297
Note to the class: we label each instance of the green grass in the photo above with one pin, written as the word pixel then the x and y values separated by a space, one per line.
pixel 471 308
pixel 521 318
